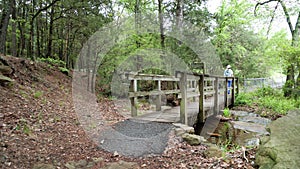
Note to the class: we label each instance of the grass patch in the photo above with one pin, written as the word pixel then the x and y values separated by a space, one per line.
pixel 269 101
pixel 38 94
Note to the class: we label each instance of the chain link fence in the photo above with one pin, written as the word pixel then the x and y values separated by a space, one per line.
pixel 250 84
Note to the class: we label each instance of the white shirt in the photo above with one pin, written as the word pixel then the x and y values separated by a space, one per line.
pixel 228 73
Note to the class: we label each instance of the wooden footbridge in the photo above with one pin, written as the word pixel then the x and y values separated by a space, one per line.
pixel 200 96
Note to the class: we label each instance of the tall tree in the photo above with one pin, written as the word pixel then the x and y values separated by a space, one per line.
pixel 294 30
pixel 6 12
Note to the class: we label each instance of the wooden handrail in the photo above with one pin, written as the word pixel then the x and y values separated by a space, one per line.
pixel 191 85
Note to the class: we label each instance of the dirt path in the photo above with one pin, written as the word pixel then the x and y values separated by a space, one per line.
pixel 136 138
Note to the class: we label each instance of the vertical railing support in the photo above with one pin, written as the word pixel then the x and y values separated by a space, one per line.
pixel 216 98
pixel 133 100
pixel 232 91
pixel 158 97
pixel 201 114
pixel 225 92
pixel 183 103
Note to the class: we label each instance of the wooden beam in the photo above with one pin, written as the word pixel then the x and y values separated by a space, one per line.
pixel 133 100
pixel 201 114
pixel 216 96
pixel 183 103
pixel 158 97
pixel 232 92
pixel 225 92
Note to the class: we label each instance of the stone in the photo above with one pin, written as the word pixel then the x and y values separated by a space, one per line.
pixel 213 151
pixel 70 165
pixel 193 139
pixel 179 131
pixel 121 165
pixel 43 166
pixel 186 128
pixel 281 149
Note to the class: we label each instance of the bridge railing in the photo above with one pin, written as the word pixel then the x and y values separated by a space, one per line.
pixel 197 87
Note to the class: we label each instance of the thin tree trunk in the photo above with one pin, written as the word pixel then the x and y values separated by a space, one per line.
pixel 14 29
pixel 49 47
pixel 161 24
pixel 3 26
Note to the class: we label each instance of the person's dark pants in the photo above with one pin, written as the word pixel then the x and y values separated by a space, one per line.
pixel 229 86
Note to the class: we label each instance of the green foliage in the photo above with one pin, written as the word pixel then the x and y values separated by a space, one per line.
pixel 53 62
pixel 226 112
pixel 243 99
pixel 270 101
pixel 278 105
pixel 64 70
pixel 38 94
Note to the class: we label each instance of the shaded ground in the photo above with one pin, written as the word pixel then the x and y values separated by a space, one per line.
pixel 39 126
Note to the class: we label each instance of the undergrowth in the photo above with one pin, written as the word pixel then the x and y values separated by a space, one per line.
pixel 269 101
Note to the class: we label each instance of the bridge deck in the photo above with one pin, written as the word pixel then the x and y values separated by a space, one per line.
pixel 172 114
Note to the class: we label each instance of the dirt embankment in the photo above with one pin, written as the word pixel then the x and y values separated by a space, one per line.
pixel 37 120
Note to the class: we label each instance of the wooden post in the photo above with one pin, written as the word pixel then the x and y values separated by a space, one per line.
pixel 232 91
pixel 133 100
pixel 183 103
pixel 158 97
pixel 225 92
pixel 201 114
pixel 237 86
pixel 216 98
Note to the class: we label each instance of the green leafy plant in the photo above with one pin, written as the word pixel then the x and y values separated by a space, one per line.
pixel 226 112
pixel 38 94
pixel 53 62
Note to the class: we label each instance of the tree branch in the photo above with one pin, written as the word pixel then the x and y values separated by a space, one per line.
pixel 271 21
pixel 43 9
pixel 262 3
pixel 288 18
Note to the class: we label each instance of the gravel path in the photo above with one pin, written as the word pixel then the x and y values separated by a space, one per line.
pixel 136 138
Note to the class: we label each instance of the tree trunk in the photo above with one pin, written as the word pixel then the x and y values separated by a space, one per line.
pixel 161 24
pixel 4 25
pixel 14 29
pixel 49 46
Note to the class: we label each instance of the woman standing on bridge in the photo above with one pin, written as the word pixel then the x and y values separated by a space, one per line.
pixel 228 73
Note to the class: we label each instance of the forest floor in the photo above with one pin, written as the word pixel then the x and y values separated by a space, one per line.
pixel 40 128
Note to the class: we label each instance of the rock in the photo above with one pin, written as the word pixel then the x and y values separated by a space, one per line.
pixel 253 127
pixel 5 79
pixel 281 149
pixel 70 165
pixel 5 70
pixel 213 151
pixel 179 131
pixel 193 139
pixel 186 128
pixel 43 166
pixel 121 165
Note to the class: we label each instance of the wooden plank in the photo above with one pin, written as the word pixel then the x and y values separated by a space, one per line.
pixel 225 92
pixel 133 100
pixel 216 96
pixel 158 97
pixel 232 92
pixel 183 103
pixel 201 114
pixel 153 93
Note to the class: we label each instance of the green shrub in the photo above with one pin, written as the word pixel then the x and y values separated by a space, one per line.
pixel 226 112
pixel 53 62
pixel 243 99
